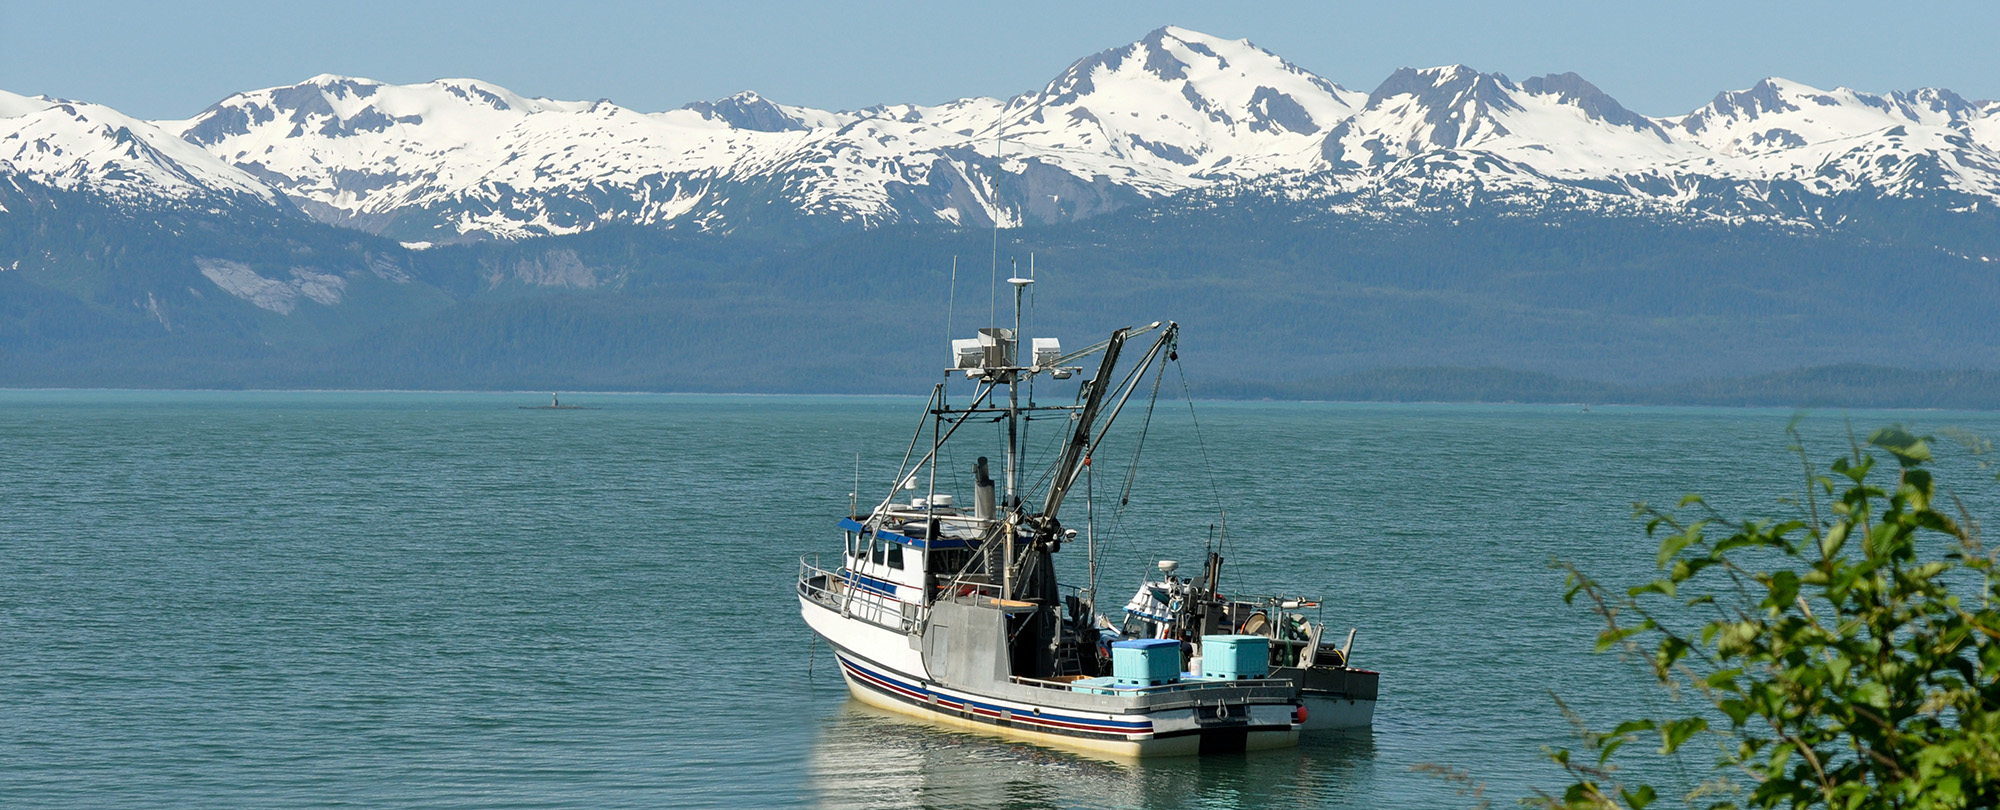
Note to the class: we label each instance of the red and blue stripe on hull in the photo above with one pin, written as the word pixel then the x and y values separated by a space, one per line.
pixel 944 703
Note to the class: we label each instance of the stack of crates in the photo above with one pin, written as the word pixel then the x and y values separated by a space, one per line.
pixel 1145 662
pixel 1234 657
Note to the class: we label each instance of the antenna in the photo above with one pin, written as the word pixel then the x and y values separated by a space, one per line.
pixel 993 285
pixel 951 299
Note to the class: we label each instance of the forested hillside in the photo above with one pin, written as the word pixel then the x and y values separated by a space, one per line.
pixel 1275 301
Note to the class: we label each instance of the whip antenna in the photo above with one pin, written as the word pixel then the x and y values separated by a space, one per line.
pixel 993 285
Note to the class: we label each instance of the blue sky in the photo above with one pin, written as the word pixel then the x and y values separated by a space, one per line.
pixel 171 59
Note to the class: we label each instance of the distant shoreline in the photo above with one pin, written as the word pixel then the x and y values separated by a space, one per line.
pixel 1836 386
pixel 1832 386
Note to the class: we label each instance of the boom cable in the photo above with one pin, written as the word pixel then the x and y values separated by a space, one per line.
pixel 1132 472
pixel 1207 466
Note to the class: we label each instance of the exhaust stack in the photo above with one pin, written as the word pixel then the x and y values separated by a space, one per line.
pixel 982 491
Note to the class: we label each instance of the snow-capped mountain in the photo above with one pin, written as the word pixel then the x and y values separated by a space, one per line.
pixel 1175 113
pixel 454 157
pixel 1455 136
pixel 1776 114
pixel 1561 125
pixel 1842 141
pixel 1185 106
pixel 72 146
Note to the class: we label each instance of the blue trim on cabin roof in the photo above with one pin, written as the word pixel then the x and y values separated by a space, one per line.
pixel 853 525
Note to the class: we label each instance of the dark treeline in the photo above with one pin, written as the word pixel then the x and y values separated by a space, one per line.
pixel 1278 300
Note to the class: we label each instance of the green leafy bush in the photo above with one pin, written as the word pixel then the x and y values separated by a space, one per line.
pixel 1848 659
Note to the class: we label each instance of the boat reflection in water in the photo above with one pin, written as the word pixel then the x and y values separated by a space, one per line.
pixel 868 757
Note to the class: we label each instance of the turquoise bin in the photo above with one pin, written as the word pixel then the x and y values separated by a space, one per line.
pixel 1146 661
pixel 1235 657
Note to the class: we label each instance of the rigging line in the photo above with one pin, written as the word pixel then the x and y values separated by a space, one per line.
pixel 1117 519
pixel 1123 392
pixel 1048 473
pixel 980 397
pixel 1090 528
pixel 929 405
pixel 1119 513
pixel 1132 472
pixel 1207 466
pixel 1128 384
pixel 951 302
pixel 951 463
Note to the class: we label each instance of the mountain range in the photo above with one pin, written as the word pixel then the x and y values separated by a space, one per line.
pixel 343 212
pixel 1175 112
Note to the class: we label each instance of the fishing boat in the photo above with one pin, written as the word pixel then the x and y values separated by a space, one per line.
pixel 954 612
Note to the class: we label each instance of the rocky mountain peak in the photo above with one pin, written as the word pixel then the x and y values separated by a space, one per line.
pixel 747 110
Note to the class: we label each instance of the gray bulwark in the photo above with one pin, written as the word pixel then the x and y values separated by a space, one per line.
pixel 975 660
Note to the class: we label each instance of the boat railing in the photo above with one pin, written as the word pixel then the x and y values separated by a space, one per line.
pixel 1249 688
pixel 1176 686
pixel 835 589
pixel 970 587
pixel 967 587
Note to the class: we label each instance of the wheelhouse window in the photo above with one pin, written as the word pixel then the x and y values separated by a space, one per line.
pixel 896 556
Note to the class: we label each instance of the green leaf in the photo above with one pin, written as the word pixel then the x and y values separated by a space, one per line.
pixel 1910 450
pixel 1835 537
pixel 1678 732
pixel 1738 710
pixel 1637 799
pixel 1671 650
pixel 1872 693
pixel 1917 483
pixel 1613 636
pixel 1784 588
pixel 1664 587
pixel 1630 726
pixel 1676 542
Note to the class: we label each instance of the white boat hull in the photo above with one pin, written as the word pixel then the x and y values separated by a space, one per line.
pixel 901 684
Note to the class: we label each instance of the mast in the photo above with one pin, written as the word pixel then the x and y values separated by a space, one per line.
pixel 1014 392
pixel 1013 373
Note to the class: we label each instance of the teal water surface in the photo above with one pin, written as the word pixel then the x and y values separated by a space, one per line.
pixel 442 600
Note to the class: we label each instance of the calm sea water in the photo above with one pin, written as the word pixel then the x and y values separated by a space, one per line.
pixel 441 600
